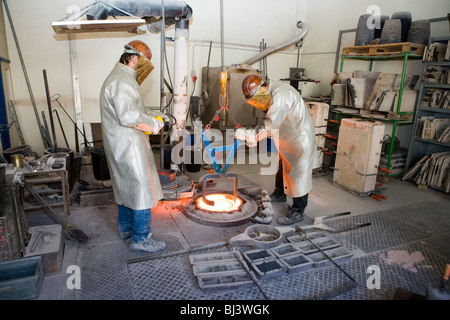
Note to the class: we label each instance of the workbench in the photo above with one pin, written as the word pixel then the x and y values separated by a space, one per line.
pixel 42 179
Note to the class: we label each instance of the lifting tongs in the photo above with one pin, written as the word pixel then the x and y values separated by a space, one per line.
pixel 221 173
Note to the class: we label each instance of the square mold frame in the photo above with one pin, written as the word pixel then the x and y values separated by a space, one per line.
pixel 216 267
pixel 212 257
pixel 222 282
pixel 326 243
pixel 285 250
pixel 306 247
pixel 338 255
pixel 258 255
pixel 269 268
pixel 297 262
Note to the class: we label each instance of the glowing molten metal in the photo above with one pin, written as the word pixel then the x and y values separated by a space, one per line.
pixel 222 203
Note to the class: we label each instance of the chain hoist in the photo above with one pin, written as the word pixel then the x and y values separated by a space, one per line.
pixel 223 103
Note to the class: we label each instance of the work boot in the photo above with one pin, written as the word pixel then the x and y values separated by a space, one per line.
pixel 277 196
pixel 294 215
pixel 148 245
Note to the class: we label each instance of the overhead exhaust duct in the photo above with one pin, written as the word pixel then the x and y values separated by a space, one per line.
pixel 141 8
pixel 265 53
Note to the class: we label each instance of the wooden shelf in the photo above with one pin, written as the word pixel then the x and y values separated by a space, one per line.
pixel 40 180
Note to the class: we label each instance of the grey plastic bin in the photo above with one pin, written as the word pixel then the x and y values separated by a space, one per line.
pixel 21 279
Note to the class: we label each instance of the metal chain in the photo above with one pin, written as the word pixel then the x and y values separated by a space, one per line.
pixel 223 97
pixel 222 107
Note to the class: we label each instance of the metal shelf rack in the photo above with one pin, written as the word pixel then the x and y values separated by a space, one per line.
pixel 405 57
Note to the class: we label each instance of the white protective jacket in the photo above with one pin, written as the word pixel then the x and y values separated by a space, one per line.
pixel 297 141
pixel 134 176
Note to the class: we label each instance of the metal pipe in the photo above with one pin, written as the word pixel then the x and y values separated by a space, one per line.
pixel 61 126
pixel 50 114
pixel 180 94
pixel 265 53
pixel 161 83
pixel 181 73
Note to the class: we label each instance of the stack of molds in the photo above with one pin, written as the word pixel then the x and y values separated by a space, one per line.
pixel 358 155
pixel 219 271
pixel 319 113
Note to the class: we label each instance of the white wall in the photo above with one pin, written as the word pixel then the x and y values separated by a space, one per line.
pixel 246 23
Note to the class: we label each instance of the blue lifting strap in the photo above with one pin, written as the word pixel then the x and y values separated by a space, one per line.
pixel 211 150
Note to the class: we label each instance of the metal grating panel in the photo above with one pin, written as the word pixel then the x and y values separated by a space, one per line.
pixel 172 279
pixel 394 226
pixel 420 230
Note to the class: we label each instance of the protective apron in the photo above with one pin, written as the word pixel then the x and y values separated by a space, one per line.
pixel 297 141
pixel 130 159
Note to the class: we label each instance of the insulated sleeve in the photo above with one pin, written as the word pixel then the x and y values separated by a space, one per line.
pixel 128 104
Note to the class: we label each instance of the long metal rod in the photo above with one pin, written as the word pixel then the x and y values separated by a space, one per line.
pixel 33 102
pixel 61 126
pixel 238 256
pixel 179 252
pixel 50 114
pixel 339 291
pixel 161 84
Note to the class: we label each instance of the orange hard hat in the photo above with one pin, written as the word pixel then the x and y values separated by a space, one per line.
pixel 250 85
pixel 140 47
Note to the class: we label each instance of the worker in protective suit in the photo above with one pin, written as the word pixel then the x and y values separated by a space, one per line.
pixel 287 114
pixel 134 176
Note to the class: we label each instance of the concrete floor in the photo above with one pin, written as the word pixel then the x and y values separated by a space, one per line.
pixel 179 232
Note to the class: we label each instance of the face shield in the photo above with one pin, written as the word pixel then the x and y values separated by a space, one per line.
pixel 143 66
pixel 261 99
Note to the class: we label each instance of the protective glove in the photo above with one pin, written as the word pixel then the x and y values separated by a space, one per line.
pixel 240 134
pixel 156 114
pixel 251 139
pixel 160 125
pixel 151 125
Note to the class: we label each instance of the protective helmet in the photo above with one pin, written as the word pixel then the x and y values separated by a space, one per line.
pixel 144 66
pixel 250 85
pixel 254 94
pixel 138 47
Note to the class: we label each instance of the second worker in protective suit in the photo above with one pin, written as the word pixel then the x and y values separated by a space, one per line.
pixel 134 176
pixel 286 114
